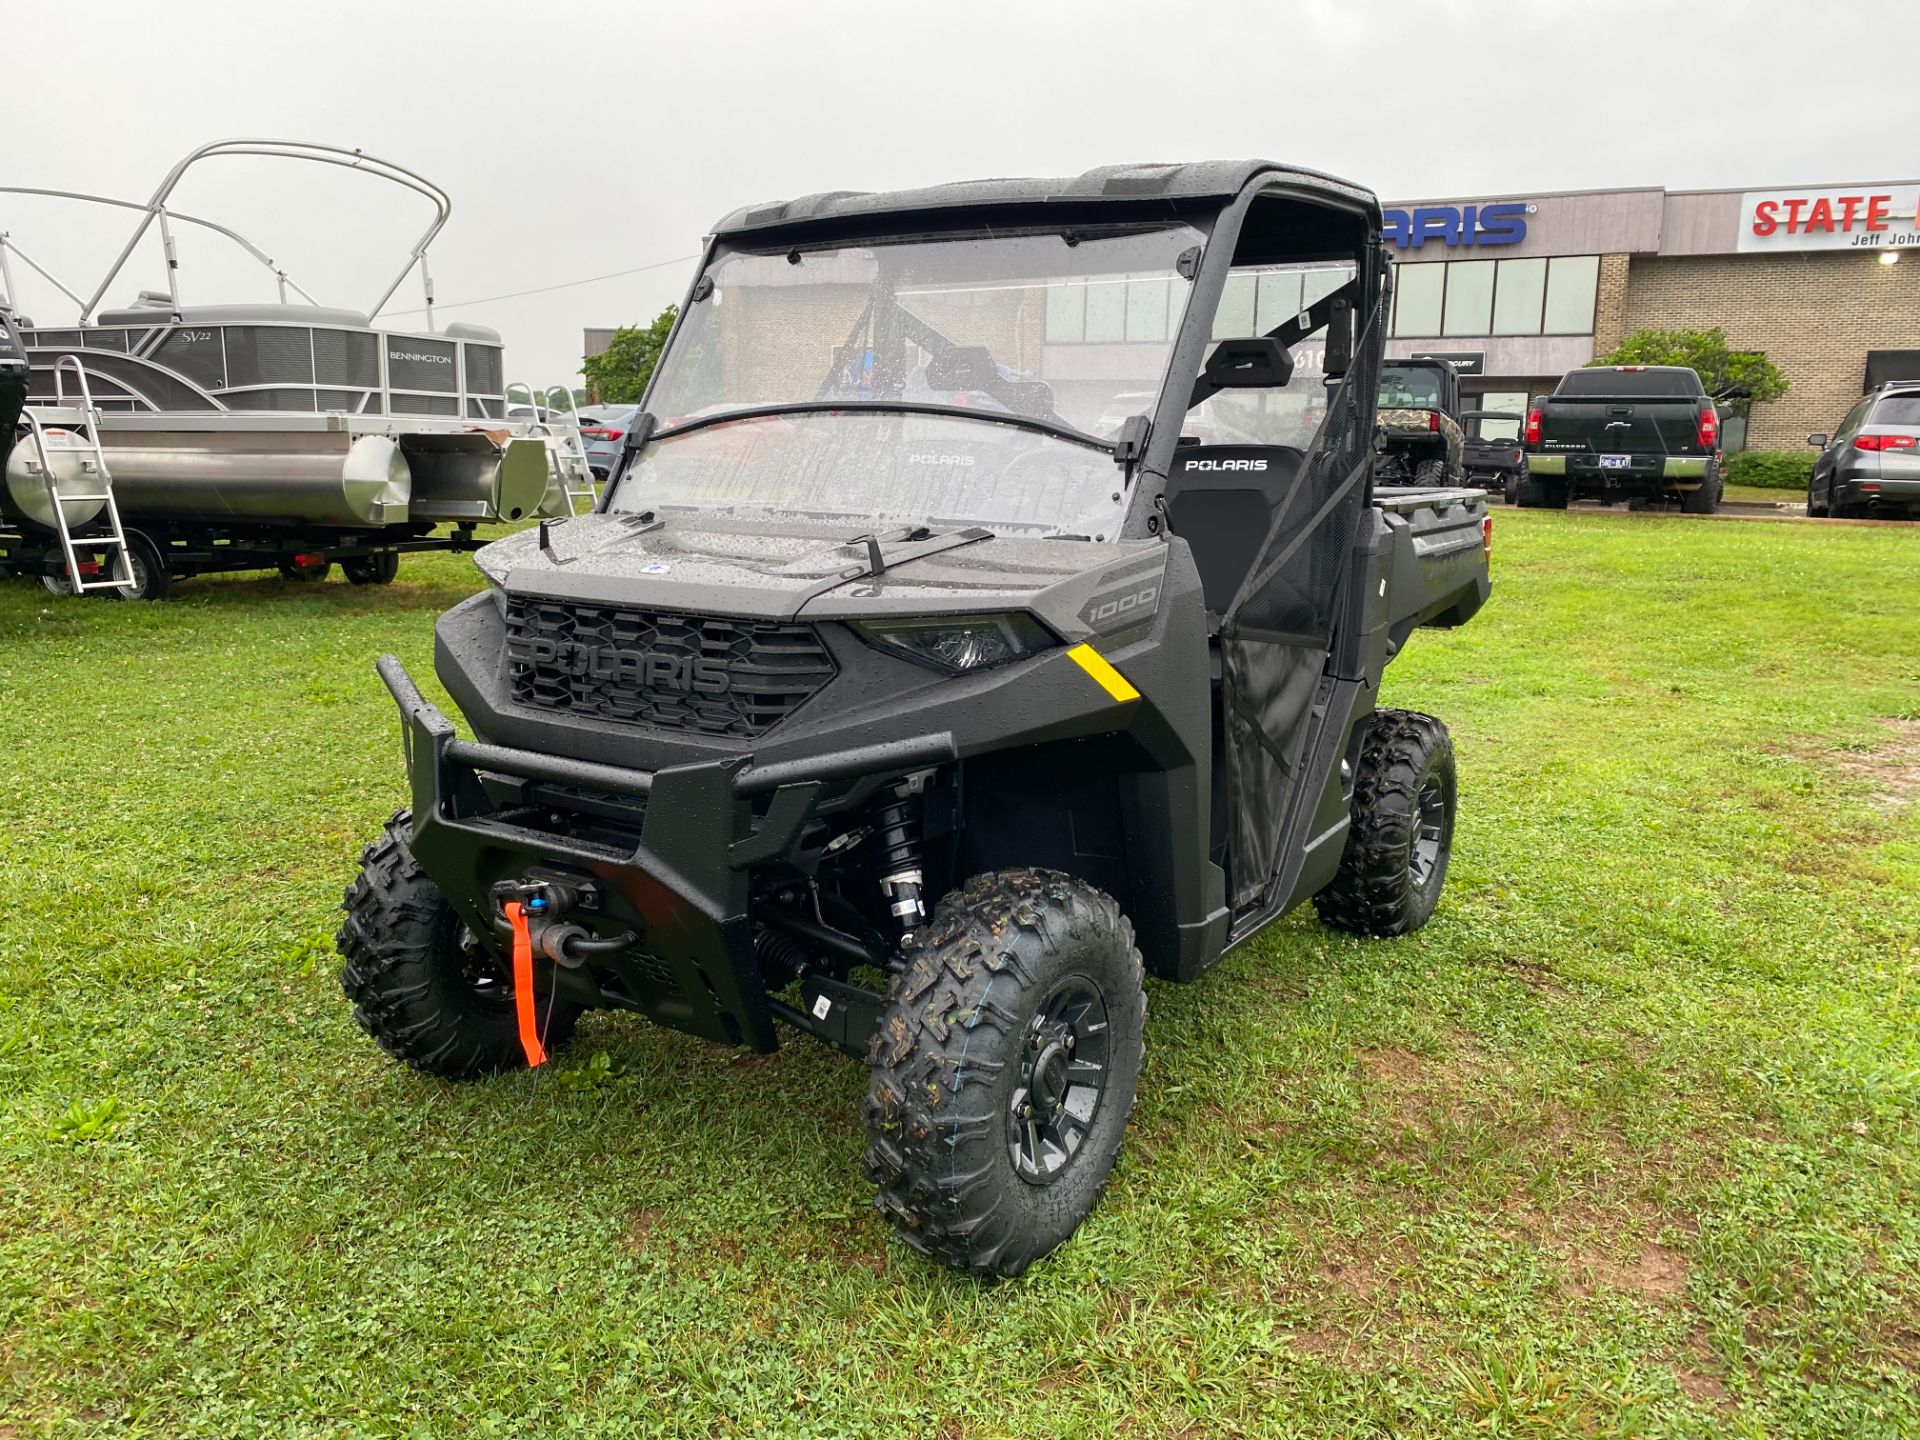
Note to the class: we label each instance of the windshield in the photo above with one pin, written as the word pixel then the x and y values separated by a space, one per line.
pixel 1071 329
pixel 1403 386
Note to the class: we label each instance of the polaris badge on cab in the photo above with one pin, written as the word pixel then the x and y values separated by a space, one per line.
pixel 903 694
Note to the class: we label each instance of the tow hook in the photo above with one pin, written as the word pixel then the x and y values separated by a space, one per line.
pixel 545 901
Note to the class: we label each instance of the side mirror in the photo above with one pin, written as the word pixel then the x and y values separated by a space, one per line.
pixel 1257 362
pixel 1819 442
pixel 964 367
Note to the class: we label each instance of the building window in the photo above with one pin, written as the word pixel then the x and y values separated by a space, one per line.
pixel 1469 308
pixel 1514 402
pixel 1416 308
pixel 1234 318
pixel 1572 283
pixel 1279 297
pixel 1458 298
pixel 1106 312
pixel 1147 309
pixel 1516 303
pixel 1066 312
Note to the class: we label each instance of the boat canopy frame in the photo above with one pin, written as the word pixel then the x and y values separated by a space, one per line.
pixel 154 211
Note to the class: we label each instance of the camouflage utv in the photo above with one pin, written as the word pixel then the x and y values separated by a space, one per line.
pixel 1420 440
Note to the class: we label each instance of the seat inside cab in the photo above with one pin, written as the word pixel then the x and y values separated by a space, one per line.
pixel 1225 515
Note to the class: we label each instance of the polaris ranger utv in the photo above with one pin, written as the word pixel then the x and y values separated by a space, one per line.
pixel 895 696
pixel 1421 442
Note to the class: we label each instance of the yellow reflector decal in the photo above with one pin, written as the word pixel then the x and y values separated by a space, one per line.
pixel 1111 680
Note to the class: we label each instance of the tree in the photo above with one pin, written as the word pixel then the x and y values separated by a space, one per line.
pixel 619 374
pixel 1745 377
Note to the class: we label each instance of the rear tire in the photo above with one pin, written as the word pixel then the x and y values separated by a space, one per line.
pixel 1430 472
pixel 1536 494
pixel 1024 992
pixel 1401 839
pixel 428 994
pixel 377 569
pixel 1705 500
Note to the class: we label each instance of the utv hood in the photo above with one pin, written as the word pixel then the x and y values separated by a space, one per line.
pixel 768 570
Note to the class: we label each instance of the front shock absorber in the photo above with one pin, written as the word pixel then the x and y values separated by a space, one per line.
pixel 901 877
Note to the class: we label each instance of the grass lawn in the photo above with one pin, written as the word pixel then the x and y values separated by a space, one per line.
pixel 1626 1142
pixel 1763 495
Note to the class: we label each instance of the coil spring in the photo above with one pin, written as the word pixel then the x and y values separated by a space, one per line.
pixel 899 828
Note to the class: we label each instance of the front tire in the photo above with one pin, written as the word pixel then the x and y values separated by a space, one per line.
pixel 1401 837
pixel 421 986
pixel 1816 510
pixel 1004 1070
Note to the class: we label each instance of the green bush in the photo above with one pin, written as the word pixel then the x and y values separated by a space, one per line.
pixel 1769 469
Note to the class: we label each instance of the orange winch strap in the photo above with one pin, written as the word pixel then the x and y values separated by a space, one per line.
pixel 523 984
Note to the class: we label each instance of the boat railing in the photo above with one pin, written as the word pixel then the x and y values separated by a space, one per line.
pixel 155 211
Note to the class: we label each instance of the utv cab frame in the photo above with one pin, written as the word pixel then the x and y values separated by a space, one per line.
pixel 892 698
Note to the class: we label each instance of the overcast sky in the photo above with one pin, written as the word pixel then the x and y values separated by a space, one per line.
pixel 582 139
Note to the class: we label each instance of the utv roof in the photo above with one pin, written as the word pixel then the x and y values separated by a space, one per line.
pixel 1116 184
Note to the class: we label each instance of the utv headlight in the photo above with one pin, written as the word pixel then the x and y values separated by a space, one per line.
pixel 956 643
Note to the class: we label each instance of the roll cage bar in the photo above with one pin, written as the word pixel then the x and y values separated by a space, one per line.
pixel 154 210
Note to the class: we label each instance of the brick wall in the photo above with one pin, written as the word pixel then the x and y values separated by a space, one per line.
pixel 1815 315
pixel 1610 304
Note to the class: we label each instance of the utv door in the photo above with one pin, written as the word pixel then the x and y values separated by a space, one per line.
pixel 1272 528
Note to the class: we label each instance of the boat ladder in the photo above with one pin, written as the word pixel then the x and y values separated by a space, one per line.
pixel 566 450
pixel 84 416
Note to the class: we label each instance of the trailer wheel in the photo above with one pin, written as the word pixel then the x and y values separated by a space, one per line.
pixel 151 580
pixel 372 569
pixel 421 986
pixel 1004 1070
pixel 1404 799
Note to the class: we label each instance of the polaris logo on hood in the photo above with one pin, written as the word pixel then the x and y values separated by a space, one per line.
pixel 679 674
pixel 1254 465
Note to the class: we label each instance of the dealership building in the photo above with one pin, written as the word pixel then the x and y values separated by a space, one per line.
pixel 1515 290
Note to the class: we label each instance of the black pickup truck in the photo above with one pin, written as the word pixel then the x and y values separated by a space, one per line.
pixel 1640 433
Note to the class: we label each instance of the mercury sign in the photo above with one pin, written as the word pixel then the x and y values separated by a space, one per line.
pixel 1504 223
pixel 1865 217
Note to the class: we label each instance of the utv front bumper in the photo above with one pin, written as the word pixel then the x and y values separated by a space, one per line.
pixel 670 849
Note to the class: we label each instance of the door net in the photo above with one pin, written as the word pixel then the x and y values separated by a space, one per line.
pixel 1275 637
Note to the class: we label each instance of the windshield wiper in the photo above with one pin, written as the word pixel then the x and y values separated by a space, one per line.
pixel 890 407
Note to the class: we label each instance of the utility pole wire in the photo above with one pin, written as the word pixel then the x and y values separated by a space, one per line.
pixel 544 289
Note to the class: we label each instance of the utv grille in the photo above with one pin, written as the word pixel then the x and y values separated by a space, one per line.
pixel 699 673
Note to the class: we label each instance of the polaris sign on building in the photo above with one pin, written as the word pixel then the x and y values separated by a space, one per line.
pixel 1503 223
